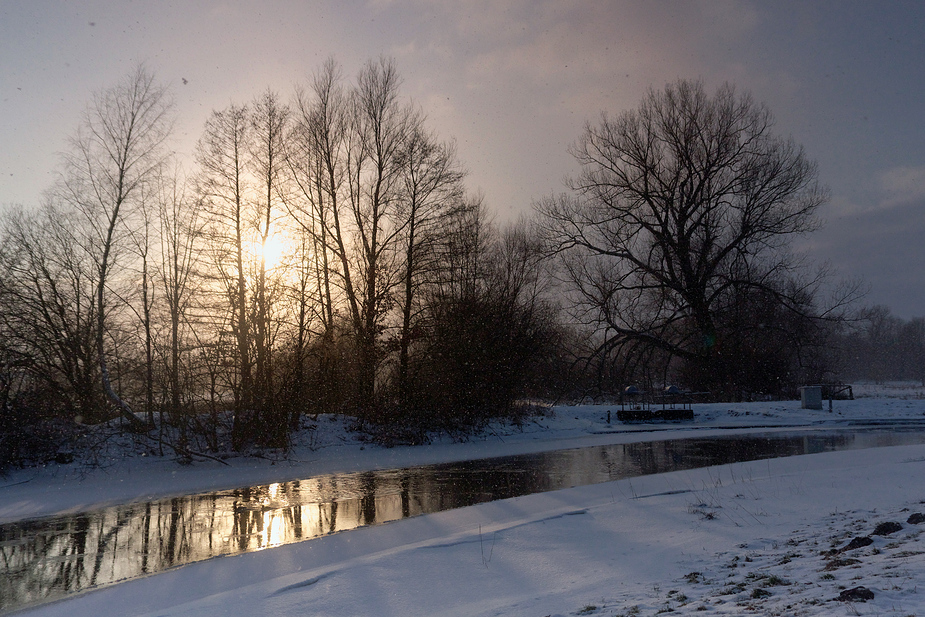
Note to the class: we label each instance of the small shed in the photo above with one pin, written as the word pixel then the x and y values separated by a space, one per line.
pixel 811 397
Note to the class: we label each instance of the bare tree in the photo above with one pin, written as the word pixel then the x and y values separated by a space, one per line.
pixel 375 192
pixel 682 206
pixel 180 231
pixel 49 307
pixel 223 189
pixel 268 120
pixel 346 158
pixel 881 333
pixel 140 228
pixel 118 148
pixel 316 160
pixel 468 238
pixel 912 342
pixel 432 192
pixel 380 127
pixel 488 333
pixel 242 159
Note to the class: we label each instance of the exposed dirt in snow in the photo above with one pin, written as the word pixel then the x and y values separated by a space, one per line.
pixel 806 573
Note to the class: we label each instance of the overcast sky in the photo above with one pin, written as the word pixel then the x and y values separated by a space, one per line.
pixel 513 81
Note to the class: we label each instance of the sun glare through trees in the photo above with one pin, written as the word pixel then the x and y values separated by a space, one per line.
pixel 272 252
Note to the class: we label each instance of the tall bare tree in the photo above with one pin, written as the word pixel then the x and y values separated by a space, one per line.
pixel 316 159
pixel 269 125
pixel 180 231
pixel 141 228
pixel 118 149
pixel 682 206
pixel 242 159
pixel 347 157
pixel 380 126
pixel 432 191
pixel 224 191
pixel 317 162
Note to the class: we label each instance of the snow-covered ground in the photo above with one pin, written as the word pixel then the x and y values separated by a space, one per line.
pixel 739 539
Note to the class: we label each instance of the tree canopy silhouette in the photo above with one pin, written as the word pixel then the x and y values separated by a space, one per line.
pixel 681 215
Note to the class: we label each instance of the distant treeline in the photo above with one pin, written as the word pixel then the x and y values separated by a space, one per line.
pixel 881 347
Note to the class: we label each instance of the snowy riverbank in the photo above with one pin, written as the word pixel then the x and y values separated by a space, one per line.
pixel 122 477
pixel 739 539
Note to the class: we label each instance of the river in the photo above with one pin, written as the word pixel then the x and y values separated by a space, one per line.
pixel 45 559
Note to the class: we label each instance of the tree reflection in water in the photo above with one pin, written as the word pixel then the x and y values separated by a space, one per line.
pixel 45 559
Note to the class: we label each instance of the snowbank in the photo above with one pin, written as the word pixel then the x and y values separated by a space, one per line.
pixel 56 489
pixel 738 539
pixel 729 540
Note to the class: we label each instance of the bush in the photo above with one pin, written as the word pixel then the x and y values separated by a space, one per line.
pixel 482 355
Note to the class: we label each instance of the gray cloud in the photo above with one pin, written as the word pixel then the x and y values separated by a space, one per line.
pixel 513 81
pixel 885 248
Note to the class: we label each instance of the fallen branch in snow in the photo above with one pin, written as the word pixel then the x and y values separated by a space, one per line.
pixel 16 483
pixel 495 433
pixel 187 452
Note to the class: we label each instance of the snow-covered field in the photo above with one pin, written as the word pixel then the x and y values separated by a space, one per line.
pixel 748 538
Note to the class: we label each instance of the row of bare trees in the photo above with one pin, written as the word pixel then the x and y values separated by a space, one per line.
pixel 303 265
pixel 881 347
pixel 324 255
pixel 65 266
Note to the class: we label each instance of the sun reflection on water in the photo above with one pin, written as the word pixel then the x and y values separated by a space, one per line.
pixel 43 560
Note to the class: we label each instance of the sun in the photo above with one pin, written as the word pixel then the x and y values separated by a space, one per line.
pixel 273 250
